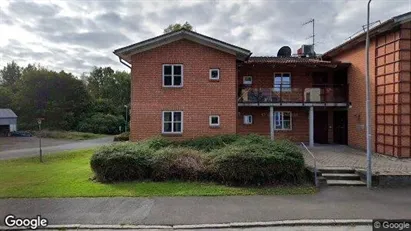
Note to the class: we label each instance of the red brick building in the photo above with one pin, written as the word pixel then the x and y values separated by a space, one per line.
pixel 390 71
pixel 186 85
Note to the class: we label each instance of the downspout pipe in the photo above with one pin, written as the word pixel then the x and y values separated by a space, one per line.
pixel 367 97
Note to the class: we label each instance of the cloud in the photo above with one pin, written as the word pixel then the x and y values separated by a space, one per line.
pixel 91 39
pixel 77 35
pixel 32 9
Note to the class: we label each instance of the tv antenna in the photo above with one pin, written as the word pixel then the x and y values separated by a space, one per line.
pixel 313 35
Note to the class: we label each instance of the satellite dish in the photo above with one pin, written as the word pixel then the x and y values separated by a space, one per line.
pixel 284 51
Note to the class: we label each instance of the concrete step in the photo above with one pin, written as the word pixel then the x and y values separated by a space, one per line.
pixel 341 176
pixel 345 183
pixel 336 170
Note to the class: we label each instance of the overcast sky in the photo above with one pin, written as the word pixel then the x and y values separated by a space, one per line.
pixel 77 35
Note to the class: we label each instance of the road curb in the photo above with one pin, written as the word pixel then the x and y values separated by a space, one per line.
pixel 308 222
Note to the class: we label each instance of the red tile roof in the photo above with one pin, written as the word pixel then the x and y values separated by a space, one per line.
pixel 292 61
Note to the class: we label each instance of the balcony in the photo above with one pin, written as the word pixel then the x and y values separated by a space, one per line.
pixel 328 95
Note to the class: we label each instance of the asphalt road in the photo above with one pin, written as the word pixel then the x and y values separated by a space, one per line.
pixel 329 203
pixel 27 152
pixel 287 228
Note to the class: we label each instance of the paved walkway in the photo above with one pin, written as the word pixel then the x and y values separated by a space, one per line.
pixel 329 203
pixel 73 145
pixel 344 156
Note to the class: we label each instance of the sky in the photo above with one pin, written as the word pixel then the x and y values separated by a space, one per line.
pixel 76 35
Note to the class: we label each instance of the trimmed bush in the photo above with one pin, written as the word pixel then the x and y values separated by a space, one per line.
pixel 125 136
pixel 177 163
pixel 247 160
pixel 264 162
pixel 157 143
pixel 121 162
pixel 209 143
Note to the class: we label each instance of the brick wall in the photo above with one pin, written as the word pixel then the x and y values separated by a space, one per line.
pixel 356 83
pixel 261 123
pixel 198 99
pixel 405 91
pixel 390 92
pixel 263 75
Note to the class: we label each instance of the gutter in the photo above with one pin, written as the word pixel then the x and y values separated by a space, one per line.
pixel 124 62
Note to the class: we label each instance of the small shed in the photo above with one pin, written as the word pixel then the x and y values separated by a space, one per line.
pixel 8 121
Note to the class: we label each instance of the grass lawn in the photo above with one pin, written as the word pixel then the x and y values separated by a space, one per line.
pixel 67 175
pixel 68 135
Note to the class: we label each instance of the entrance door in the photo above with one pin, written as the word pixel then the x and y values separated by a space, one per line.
pixel 340 127
pixel 321 127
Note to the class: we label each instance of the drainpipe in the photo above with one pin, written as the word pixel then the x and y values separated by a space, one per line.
pixel 367 97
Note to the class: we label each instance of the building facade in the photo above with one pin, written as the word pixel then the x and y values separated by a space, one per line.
pixel 186 85
pixel 390 85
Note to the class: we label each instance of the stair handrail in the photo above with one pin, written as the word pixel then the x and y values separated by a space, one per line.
pixel 315 164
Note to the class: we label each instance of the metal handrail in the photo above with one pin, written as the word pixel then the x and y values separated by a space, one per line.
pixel 336 93
pixel 315 164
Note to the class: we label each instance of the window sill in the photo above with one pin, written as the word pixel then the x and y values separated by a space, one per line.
pixel 214 126
pixel 172 134
pixel 172 87
pixel 214 80
pixel 283 130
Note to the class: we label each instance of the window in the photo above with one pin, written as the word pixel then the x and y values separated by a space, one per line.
pixel 172 122
pixel 172 75
pixel 248 119
pixel 282 82
pixel 214 74
pixel 282 120
pixel 214 121
pixel 247 80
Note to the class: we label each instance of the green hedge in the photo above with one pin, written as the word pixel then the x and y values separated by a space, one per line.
pixel 257 160
pixel 209 143
pixel 246 160
pixel 177 164
pixel 121 162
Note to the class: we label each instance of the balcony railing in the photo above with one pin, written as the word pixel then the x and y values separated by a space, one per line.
pixel 281 94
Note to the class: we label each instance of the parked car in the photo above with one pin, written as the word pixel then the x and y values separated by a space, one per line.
pixel 21 134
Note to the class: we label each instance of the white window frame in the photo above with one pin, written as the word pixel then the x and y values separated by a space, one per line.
pixel 282 121
pixel 247 82
pixel 172 122
pixel 210 77
pixel 210 121
pixel 248 119
pixel 172 75
pixel 281 85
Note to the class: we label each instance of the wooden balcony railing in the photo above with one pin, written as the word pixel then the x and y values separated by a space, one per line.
pixel 280 94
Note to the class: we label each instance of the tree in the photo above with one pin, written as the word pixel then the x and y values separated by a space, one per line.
pixel 5 97
pixel 178 26
pixel 10 74
pixel 58 97
pixel 98 81
pixel 111 90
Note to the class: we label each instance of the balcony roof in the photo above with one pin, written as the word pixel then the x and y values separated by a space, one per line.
pixel 296 61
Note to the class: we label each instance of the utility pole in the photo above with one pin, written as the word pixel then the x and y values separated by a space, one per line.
pixel 41 151
pixel 367 97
